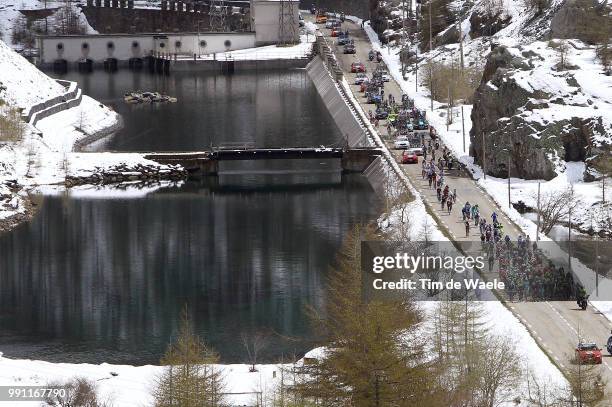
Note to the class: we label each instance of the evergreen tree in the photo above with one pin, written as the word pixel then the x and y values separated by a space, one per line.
pixel 374 353
pixel 189 378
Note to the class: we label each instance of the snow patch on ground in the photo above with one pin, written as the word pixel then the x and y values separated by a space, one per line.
pixel 25 84
pixel 129 386
pixel 62 130
pixel 269 52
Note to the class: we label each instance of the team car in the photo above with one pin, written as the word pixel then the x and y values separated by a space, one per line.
pixel 588 352
pixel 401 143
pixel 381 114
pixel 357 67
pixel 409 157
pixel 349 49
pixel 360 78
pixel 344 39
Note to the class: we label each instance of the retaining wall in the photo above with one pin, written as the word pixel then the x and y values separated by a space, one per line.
pixel 72 91
pixel 239 66
pixel 351 128
pixel 59 107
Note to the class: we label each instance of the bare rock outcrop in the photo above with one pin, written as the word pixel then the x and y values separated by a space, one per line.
pixel 532 118
pixel 585 20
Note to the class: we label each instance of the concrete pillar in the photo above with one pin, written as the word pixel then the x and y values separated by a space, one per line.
pixel 358 160
pixel 209 167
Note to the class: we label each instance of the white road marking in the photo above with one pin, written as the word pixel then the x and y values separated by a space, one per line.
pixel 562 318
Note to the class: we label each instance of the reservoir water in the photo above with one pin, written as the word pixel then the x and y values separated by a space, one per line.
pixel 101 276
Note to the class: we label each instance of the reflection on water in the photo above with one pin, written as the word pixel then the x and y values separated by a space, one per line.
pixel 92 280
pixel 269 109
pixel 104 280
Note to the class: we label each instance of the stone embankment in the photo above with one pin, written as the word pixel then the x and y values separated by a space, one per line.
pixel 14 199
pixel 125 173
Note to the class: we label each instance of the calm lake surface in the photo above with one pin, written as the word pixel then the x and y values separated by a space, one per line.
pixel 101 276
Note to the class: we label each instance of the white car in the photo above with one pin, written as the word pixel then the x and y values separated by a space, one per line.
pixel 360 78
pixel 416 150
pixel 329 24
pixel 401 143
pixel 385 77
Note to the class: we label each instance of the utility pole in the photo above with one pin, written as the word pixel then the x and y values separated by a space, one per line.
pixel 462 64
pixel 463 127
pixel 569 230
pixel 509 157
pixel 460 19
pixel 597 264
pixel 416 50
pixel 484 157
pixel 449 111
pixel 430 58
pixel 404 39
pixel 430 29
pixel 538 221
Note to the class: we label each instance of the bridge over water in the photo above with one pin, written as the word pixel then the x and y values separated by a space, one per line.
pixel 207 162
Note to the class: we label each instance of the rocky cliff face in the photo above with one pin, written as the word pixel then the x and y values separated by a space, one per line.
pixel 585 20
pixel 485 23
pixel 533 114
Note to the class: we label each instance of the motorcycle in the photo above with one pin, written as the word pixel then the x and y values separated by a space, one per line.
pixel 371 55
pixel 582 302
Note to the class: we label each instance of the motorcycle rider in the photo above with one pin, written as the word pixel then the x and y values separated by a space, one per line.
pixel 581 297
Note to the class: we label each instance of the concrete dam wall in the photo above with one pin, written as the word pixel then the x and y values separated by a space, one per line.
pixel 344 118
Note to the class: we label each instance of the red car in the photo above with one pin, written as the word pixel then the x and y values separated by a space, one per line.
pixel 588 353
pixel 335 32
pixel 357 67
pixel 409 157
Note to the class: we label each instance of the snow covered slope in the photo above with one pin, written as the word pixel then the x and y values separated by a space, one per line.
pixel 25 84
pixel 37 158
